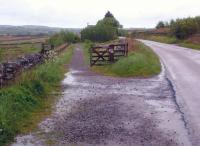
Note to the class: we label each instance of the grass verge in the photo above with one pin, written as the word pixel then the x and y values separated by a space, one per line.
pixel 190 45
pixel 23 104
pixel 172 40
pixel 162 39
pixel 141 62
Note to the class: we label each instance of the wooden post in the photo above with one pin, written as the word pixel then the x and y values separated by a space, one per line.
pixel 111 53
pixel 1 76
pixel 43 49
pixel 126 46
pixel 90 51
pixel 52 47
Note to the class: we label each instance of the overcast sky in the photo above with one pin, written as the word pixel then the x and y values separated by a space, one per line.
pixel 77 13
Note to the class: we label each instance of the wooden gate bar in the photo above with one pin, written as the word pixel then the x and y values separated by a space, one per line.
pixel 107 54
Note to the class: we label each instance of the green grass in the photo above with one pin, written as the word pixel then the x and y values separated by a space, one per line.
pixel 86 46
pixel 162 39
pixel 142 62
pixel 19 50
pixel 23 104
pixel 173 40
pixel 190 45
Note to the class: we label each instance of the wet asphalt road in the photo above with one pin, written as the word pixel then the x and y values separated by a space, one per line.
pixel 96 110
pixel 183 67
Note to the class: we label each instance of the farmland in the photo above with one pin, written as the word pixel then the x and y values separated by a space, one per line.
pixel 12 47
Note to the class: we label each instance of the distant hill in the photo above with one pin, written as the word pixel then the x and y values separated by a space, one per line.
pixel 32 30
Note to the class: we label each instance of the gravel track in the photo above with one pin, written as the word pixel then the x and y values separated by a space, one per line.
pixel 97 110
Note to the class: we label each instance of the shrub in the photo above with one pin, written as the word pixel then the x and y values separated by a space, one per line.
pixel 160 24
pixel 184 28
pixel 64 37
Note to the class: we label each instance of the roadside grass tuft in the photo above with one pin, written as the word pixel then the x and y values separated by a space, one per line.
pixel 173 40
pixel 190 45
pixel 23 104
pixel 162 39
pixel 141 62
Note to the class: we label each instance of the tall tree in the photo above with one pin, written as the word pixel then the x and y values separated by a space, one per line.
pixel 160 24
pixel 109 15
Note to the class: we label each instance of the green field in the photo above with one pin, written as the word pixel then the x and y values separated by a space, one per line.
pixel 17 51
pixel 142 62
pixel 27 100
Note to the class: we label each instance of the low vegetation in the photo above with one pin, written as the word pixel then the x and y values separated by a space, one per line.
pixel 172 40
pixel 183 32
pixel 63 37
pixel 23 103
pixel 17 51
pixel 161 38
pixel 182 28
pixel 141 62
pixel 189 45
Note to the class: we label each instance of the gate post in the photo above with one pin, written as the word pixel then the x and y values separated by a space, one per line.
pixel 90 51
pixel 43 48
pixel 111 53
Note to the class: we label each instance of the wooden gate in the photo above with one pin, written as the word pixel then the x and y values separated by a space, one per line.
pixel 100 55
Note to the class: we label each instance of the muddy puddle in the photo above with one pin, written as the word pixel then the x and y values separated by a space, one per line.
pixel 96 110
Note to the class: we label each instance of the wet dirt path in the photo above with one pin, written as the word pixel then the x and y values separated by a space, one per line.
pixel 96 110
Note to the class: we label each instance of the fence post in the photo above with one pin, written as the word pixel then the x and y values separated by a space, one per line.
pixel 1 76
pixel 126 49
pixel 43 48
pixel 52 47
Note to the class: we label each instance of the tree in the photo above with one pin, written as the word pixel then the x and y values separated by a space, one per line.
pixel 198 22
pixel 63 37
pixel 109 19
pixel 109 15
pixel 160 24
pixel 105 29
pixel 183 28
pixel 99 33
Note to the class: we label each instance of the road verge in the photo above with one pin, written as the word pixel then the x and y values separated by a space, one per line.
pixel 141 62
pixel 26 102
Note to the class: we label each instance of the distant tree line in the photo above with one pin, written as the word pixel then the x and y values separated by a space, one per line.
pixel 63 37
pixel 106 29
pixel 182 28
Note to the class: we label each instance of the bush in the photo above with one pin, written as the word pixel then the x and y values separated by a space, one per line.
pixel 183 28
pixel 160 25
pixel 64 37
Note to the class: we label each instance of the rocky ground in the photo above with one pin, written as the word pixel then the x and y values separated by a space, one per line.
pixel 96 110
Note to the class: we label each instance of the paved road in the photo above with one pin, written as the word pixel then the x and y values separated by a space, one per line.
pixel 183 67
